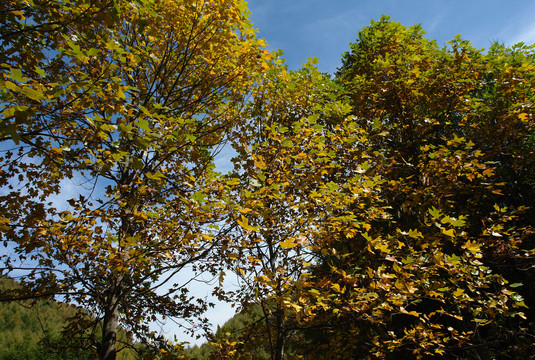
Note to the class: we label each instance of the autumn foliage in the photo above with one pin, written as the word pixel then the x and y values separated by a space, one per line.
pixel 383 213
pixel 390 208
pixel 126 103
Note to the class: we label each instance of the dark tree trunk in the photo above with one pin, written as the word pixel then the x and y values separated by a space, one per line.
pixel 108 350
pixel 280 328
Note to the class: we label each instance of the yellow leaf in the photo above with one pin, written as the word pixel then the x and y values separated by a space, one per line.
pixel 20 14
pixel 259 161
pixel 244 223
pixel 450 232
pixel 207 237
pixel 471 246
pixel 383 248
pixel 233 181
pixel 415 234
pixel 294 305
pixel 438 259
pixel 4 225
pixel 478 153
pixel 120 94
pixel 140 215
pixel 12 86
pixel 523 116
pixel 288 243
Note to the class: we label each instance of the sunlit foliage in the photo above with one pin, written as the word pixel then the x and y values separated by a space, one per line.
pixel 126 103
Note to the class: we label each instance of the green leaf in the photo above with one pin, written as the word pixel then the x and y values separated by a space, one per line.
pixel 137 164
pixel 40 71
pixel 143 124
pixel 287 142
pixel 16 74
pixel 112 45
pixel 458 223
pixel 435 213
pixel 125 128
pixel 11 86
pixel 108 127
pixel 198 197
pixel 155 176
pixel 33 94
pixel 93 52
pixel 142 143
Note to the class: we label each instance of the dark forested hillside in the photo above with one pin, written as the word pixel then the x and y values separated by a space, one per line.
pixel 246 324
pixel 33 330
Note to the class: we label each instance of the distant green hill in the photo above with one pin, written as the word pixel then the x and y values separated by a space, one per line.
pixel 33 331
pixel 246 325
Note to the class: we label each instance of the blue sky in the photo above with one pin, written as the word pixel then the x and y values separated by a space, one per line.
pixel 324 28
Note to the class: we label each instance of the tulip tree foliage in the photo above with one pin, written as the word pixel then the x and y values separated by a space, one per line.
pixel 388 213
pixel 126 102
pixel 301 167
pixel 383 213
pixel 447 271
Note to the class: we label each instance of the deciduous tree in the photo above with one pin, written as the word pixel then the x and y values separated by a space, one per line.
pixel 447 271
pixel 127 103
pixel 410 203
pixel 300 166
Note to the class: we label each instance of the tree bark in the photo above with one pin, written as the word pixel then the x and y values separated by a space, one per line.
pixel 281 332
pixel 108 350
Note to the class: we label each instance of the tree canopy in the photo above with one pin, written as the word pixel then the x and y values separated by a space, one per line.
pixel 383 213
pixel 127 102
pixel 399 199
pixel 447 269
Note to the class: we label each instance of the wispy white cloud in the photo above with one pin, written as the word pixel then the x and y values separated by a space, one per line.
pixel 520 27
pixel 434 22
pixel 524 34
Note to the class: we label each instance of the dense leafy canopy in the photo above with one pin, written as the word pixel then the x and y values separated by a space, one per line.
pixel 127 103
pixel 390 212
pixel 383 213
pixel 451 132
